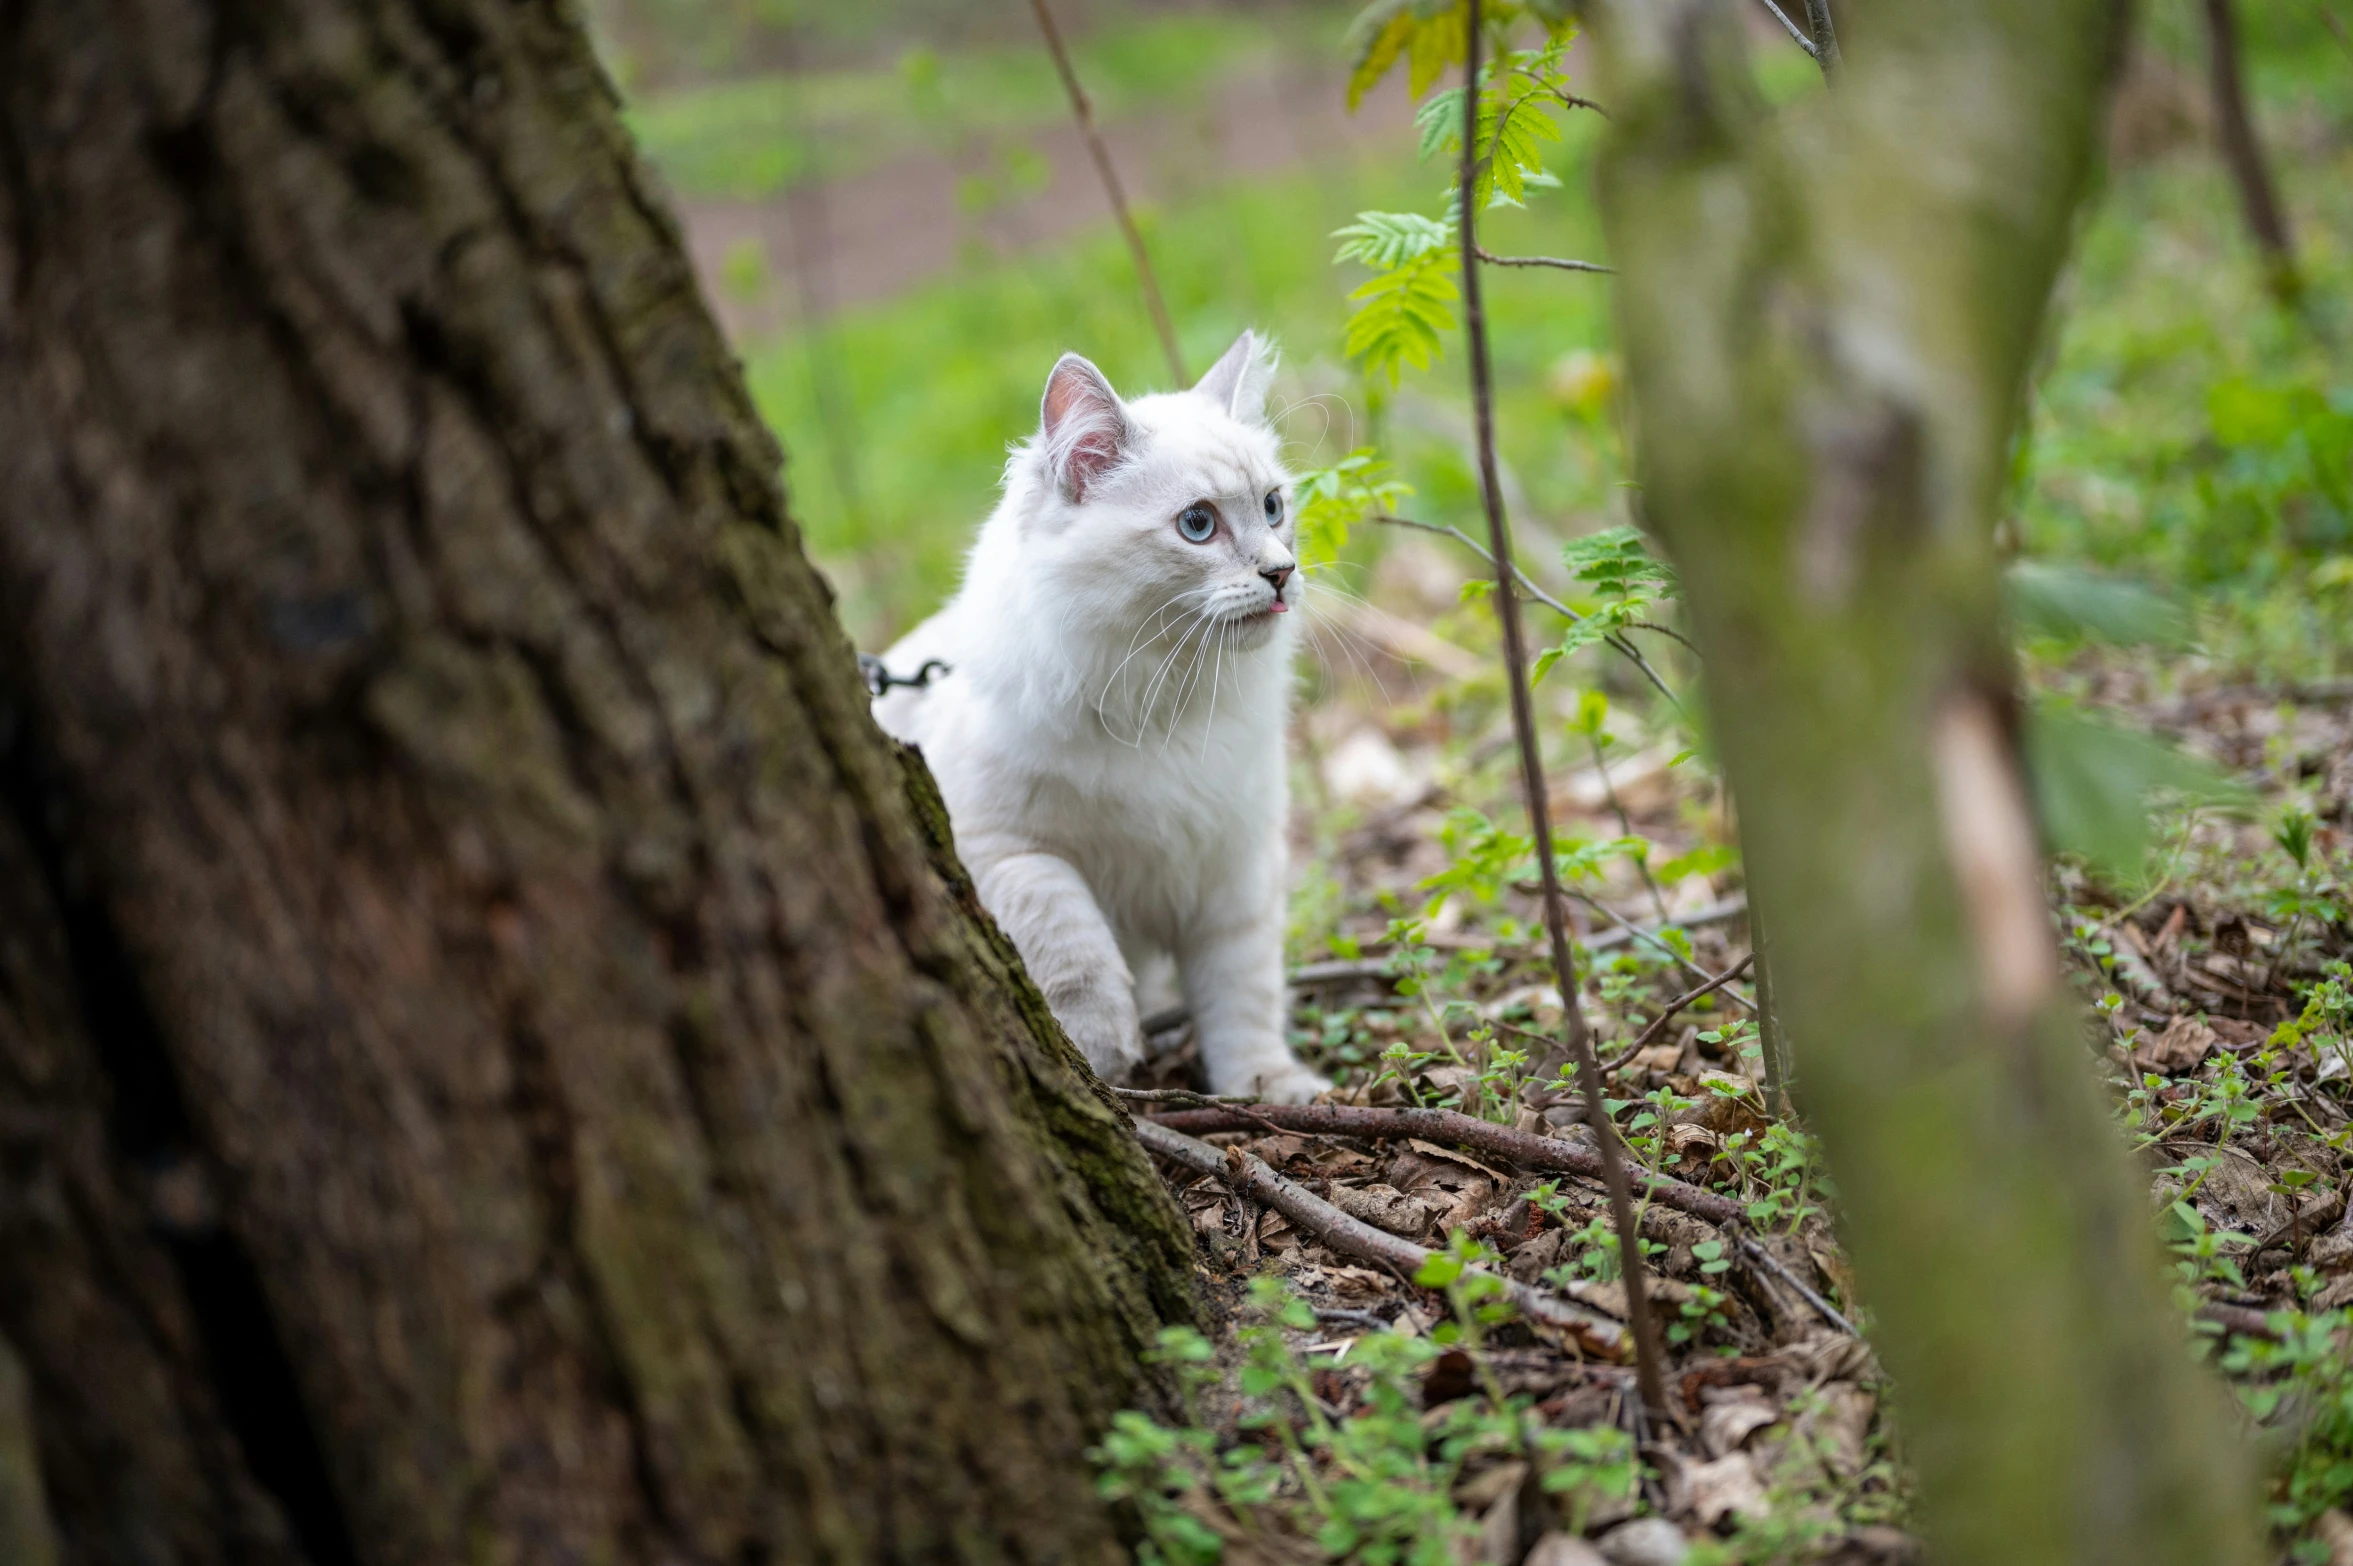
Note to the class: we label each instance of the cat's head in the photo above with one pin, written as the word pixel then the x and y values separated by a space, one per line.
pixel 1164 513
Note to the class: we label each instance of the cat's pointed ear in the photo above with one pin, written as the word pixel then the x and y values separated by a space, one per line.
pixel 1238 382
pixel 1085 429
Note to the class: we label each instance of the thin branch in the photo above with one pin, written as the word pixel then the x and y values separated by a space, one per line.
pixel 1492 259
pixel 1525 1148
pixel 1593 1332
pixel 2242 152
pixel 1794 31
pixel 1569 100
pixel 1507 605
pixel 1601 768
pixel 1825 37
pixel 1664 630
pixel 1638 933
pixel 1084 112
pixel 1528 586
pixel 1675 1006
pixel 2336 27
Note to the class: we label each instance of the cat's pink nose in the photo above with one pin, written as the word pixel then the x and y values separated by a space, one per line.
pixel 1276 576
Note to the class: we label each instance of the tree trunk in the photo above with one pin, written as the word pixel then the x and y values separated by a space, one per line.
pixel 1829 322
pixel 497 1062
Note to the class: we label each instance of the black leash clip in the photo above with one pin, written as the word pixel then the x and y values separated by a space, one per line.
pixel 880 679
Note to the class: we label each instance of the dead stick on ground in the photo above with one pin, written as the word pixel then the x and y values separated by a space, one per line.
pixel 1649 1375
pixel 1085 113
pixel 1772 1264
pixel 1524 1148
pixel 1593 1332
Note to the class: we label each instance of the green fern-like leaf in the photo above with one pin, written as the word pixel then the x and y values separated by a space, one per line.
pixel 1375 42
pixel 1332 501
pixel 1439 42
pixel 1510 138
pixel 1617 562
pixel 1428 35
pixel 1390 239
pixel 1401 314
pixel 1439 123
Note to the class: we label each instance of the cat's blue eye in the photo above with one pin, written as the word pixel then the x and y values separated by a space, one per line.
pixel 1197 523
pixel 1274 505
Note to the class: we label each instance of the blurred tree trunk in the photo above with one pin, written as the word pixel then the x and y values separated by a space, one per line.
pixel 2242 153
pixel 497 1062
pixel 1829 321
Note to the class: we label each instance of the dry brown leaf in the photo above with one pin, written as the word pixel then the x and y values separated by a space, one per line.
pixel 1837 1427
pixel 2334 1529
pixel 1733 1416
pixel 2181 1046
pixel 1646 1541
pixel 1565 1549
pixel 1451 1156
pixel 1386 1207
pixel 1727 1486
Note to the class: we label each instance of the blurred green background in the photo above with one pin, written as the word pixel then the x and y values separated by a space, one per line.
pixel 894 218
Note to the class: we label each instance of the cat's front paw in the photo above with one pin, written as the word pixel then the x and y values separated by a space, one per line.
pixel 1104 1030
pixel 1281 1082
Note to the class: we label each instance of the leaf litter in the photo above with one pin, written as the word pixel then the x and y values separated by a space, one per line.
pixel 1341 1410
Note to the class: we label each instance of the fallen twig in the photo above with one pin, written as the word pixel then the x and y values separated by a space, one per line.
pixel 1592 1331
pixel 1525 1148
pixel 2244 1320
pixel 1772 1264
pixel 1185 1096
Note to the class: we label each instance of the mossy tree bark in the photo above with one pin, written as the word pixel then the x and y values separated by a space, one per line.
pixel 1829 319
pixel 497 1062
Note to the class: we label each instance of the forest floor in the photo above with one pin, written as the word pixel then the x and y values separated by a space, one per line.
pixel 1345 1401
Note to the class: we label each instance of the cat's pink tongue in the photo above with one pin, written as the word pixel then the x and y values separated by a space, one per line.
pixel 1278 607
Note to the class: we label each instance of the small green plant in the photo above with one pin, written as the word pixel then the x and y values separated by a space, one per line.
pixel 2302 1379
pixel 1373 1487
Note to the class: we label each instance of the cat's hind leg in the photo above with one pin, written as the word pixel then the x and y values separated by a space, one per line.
pixel 1044 905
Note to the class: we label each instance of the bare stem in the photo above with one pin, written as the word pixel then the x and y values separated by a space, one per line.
pixel 1084 112
pixel 1566 265
pixel 1601 767
pixel 1648 1372
pixel 1528 586
pixel 2242 150
pixel 1825 36
pixel 1796 32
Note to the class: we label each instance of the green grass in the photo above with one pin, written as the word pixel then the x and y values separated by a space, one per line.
pixel 752 138
pixel 941 380
pixel 2127 470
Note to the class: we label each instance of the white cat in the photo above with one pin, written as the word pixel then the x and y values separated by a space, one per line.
pixel 1109 735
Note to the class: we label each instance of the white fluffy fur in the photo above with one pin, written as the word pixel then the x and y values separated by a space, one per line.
pixel 1110 735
